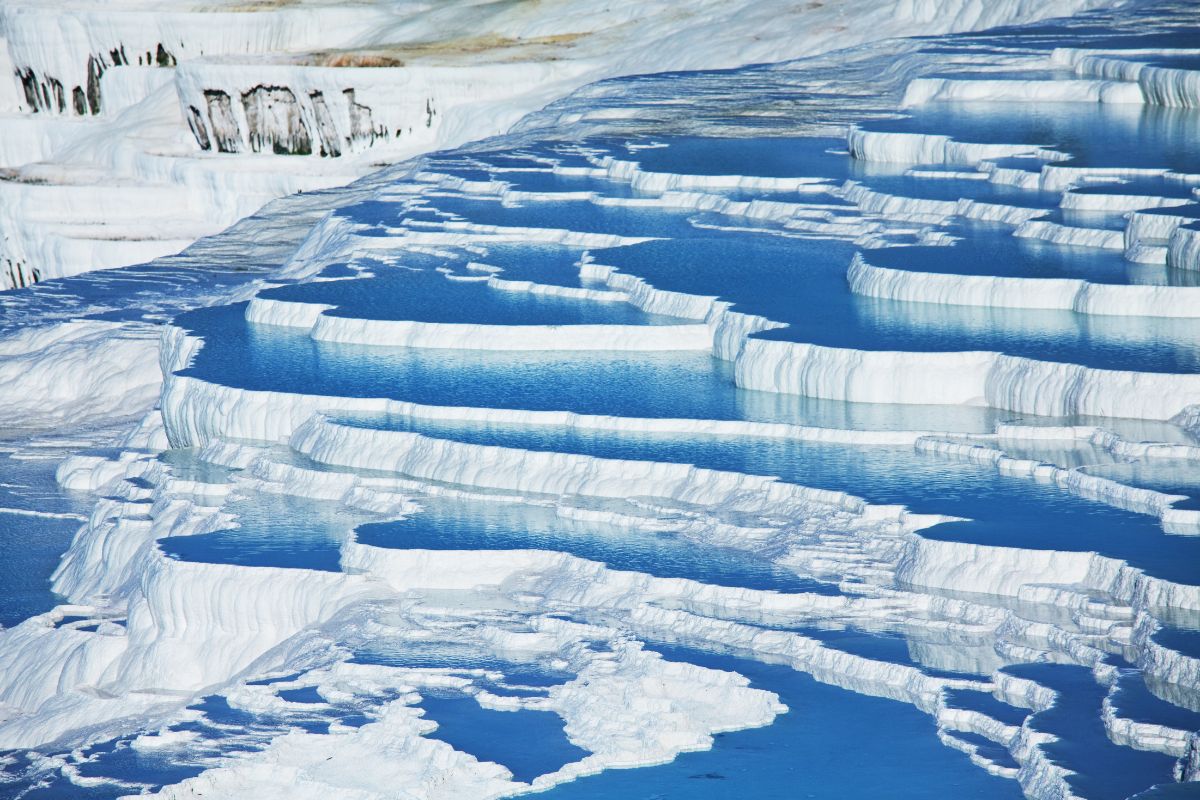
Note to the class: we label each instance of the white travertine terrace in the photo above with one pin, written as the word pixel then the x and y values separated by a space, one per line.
pixel 170 631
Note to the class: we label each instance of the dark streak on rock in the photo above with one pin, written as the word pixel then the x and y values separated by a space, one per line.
pixel 225 131
pixel 326 130
pixel 196 122
pixel 95 69
pixel 29 84
pixel 274 120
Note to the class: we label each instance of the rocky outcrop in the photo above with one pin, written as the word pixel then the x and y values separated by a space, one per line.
pixel 195 122
pixel 285 121
pixel 18 274
pixel 362 129
pixel 275 122
pixel 44 93
pixel 327 133
pixel 224 127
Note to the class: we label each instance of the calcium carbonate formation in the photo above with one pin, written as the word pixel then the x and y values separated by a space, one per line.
pixel 132 129
pixel 642 418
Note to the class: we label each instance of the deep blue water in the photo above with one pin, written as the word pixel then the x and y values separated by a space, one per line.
pixel 32 550
pixel 683 385
pixel 888 647
pixel 552 182
pixel 1171 791
pixel 567 214
pixel 1191 211
pixel 550 264
pixel 1104 771
pixel 832 743
pixel 800 282
pixel 1177 477
pixel 690 385
pixel 1139 186
pixel 1188 62
pixel 995 753
pixel 1133 700
pixel 529 743
pixel 1182 640
pixel 1003 510
pixel 30 546
pixel 426 295
pixel 989 249
pixel 457 654
pixel 1095 135
pixel 764 156
pixel 803 283
pixel 892 179
pixel 985 703
pixel 273 531
pixel 112 760
pixel 462 525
